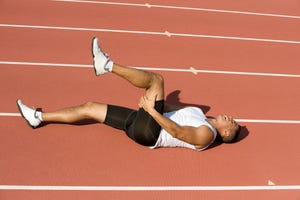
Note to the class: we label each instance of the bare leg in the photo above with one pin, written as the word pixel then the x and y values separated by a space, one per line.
pixel 90 110
pixel 152 82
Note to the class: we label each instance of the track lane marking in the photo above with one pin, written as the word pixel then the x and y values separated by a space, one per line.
pixel 272 121
pixel 148 188
pixel 183 8
pixel 3 114
pixel 191 70
pixel 149 33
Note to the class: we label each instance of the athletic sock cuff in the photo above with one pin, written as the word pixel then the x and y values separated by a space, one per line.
pixel 109 66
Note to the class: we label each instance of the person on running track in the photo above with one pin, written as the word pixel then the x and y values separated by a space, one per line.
pixel 154 124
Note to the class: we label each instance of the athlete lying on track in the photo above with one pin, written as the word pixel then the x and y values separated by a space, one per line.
pixel 154 124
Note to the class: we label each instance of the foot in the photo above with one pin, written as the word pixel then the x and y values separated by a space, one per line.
pixel 102 63
pixel 29 114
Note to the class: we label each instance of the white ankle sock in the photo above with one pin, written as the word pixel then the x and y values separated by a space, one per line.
pixel 39 115
pixel 109 66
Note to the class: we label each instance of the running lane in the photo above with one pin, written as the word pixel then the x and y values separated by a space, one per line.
pixel 82 155
pixel 59 87
pixel 199 53
pixel 105 16
pixel 35 45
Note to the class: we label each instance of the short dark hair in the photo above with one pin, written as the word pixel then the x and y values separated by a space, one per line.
pixel 233 136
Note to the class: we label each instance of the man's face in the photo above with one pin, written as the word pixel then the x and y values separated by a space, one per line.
pixel 227 124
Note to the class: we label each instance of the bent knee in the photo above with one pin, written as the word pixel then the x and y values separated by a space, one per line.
pixel 158 79
pixel 89 108
pixel 93 110
pixel 157 87
pixel 88 105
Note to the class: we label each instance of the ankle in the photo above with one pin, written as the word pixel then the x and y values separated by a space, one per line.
pixel 109 66
pixel 39 114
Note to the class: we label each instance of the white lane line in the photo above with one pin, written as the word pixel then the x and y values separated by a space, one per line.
pixel 148 188
pixel 149 33
pixel 3 114
pixel 268 121
pixel 45 64
pixel 184 8
pixel 221 72
pixel 191 70
pixel 80 29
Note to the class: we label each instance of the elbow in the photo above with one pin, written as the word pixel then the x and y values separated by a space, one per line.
pixel 177 132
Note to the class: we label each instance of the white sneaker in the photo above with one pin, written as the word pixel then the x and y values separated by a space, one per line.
pixel 102 63
pixel 29 114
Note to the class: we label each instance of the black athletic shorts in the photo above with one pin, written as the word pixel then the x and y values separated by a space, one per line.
pixel 137 124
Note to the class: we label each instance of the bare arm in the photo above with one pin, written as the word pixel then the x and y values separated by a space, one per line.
pixel 197 136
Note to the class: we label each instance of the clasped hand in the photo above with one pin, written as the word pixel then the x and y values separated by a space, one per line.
pixel 147 103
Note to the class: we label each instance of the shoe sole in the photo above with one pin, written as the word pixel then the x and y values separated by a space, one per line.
pixel 94 57
pixel 20 110
pixel 93 54
pixel 93 46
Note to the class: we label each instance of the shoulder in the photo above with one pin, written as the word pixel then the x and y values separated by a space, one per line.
pixel 205 136
pixel 205 131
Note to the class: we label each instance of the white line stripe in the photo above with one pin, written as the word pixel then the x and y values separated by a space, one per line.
pixel 148 188
pixel 221 72
pixel 153 69
pixel 45 64
pixel 2 114
pixel 269 121
pixel 107 3
pixel 234 38
pixel 184 8
pixel 10 115
pixel 149 33
pixel 80 29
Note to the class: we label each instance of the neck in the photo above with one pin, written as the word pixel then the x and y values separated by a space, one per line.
pixel 213 123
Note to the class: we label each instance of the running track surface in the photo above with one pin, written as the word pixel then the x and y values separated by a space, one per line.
pixel 265 38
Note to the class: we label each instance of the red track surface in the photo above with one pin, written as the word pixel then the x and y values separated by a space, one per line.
pixel 96 155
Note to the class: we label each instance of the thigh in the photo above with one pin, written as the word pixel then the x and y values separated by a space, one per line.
pixel 144 129
pixel 119 117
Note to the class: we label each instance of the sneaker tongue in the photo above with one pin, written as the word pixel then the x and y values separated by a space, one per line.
pixel 38 115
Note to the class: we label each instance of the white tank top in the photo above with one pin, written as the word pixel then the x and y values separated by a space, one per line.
pixel 189 116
